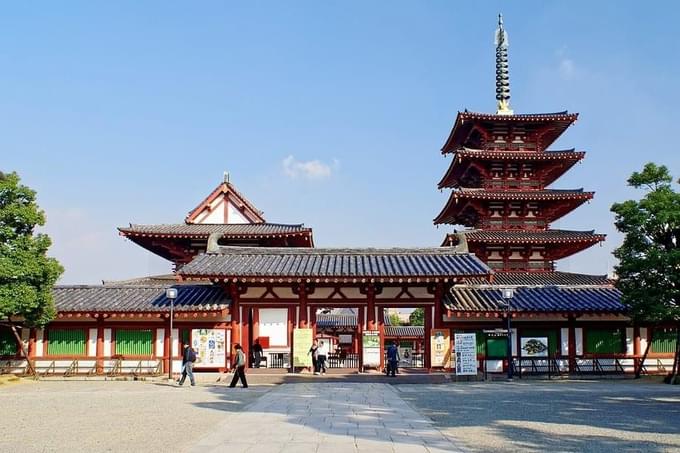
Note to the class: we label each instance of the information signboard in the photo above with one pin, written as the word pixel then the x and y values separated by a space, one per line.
pixel 211 347
pixel 466 354
pixel 371 348
pixel 534 346
pixel 302 341
pixel 440 347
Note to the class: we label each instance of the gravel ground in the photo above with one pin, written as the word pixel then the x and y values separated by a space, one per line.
pixel 605 416
pixel 98 416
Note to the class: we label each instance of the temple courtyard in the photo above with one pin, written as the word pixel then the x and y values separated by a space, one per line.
pixel 334 416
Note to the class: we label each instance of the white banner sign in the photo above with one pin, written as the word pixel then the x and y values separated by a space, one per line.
pixel 465 345
pixel 210 346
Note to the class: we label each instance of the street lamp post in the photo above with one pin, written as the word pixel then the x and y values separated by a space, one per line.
pixel 171 294
pixel 508 294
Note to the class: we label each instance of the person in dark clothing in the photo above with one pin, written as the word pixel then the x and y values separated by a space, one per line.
pixel 392 359
pixel 315 356
pixel 188 359
pixel 257 354
pixel 239 367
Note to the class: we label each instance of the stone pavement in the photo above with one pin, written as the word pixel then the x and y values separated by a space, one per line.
pixel 327 417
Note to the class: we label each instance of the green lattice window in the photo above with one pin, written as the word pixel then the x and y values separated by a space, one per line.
pixel 605 341
pixel 66 342
pixel 497 347
pixel 8 343
pixel 134 342
pixel 550 334
pixel 664 341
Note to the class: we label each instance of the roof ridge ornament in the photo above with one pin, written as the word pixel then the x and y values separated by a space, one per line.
pixel 502 73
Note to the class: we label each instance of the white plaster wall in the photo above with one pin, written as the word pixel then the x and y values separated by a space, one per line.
pixel 92 343
pixel 160 339
pixel 234 215
pixel 564 336
pixel 216 215
pixel 39 343
pixel 25 334
pixel 175 343
pixel 579 340
pixel 274 324
pixel 107 342
pixel 630 347
pixel 643 339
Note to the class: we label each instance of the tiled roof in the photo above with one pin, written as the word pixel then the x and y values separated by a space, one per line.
pixel 555 278
pixel 545 194
pixel 405 331
pixel 245 230
pixel 138 298
pixel 553 299
pixel 560 116
pixel 339 264
pixel 335 320
pixel 527 236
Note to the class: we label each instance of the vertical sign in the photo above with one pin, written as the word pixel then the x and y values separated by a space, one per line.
pixel 302 341
pixel 210 346
pixel 440 348
pixel 371 348
pixel 466 354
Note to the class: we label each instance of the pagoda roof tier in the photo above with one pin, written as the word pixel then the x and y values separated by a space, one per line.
pixel 541 299
pixel 464 156
pixel 551 278
pixel 138 299
pixel 180 242
pixel 549 126
pixel 462 200
pixel 333 265
pixel 525 237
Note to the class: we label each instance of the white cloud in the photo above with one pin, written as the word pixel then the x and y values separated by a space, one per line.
pixel 311 169
pixel 567 68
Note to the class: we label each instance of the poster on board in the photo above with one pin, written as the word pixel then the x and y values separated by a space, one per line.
pixel 371 348
pixel 440 347
pixel 466 354
pixel 211 347
pixel 302 341
pixel 534 346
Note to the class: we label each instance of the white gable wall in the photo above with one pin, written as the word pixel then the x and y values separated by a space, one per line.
pixel 235 216
pixel 217 210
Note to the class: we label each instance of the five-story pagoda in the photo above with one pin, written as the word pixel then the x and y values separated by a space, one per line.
pixel 500 172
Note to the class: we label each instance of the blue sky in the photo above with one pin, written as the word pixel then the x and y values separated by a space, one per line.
pixel 327 113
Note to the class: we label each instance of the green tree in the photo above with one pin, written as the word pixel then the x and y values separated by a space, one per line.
pixel 27 275
pixel 394 319
pixel 649 258
pixel 417 317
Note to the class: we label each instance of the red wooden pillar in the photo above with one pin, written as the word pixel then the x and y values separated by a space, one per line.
pixel 100 347
pixel 572 344
pixel 312 320
pixel 256 323
pixel 360 333
pixel 381 328
pixel 167 347
pixel 245 331
pixel 291 327
pixel 370 300
pixel 636 346
pixel 302 296
pixel 31 344
pixel 427 327
pixel 234 310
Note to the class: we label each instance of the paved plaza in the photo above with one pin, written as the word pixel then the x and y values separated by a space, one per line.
pixel 321 416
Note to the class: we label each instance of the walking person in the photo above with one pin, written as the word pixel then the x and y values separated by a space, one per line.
pixel 257 354
pixel 239 368
pixel 392 359
pixel 322 356
pixel 314 351
pixel 188 359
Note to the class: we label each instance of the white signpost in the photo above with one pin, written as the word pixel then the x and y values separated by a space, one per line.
pixel 465 345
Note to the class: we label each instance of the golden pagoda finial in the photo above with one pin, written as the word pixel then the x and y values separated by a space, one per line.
pixel 502 73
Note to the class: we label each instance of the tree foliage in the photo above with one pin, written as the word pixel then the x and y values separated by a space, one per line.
pixel 27 275
pixel 649 258
pixel 417 317
pixel 394 319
